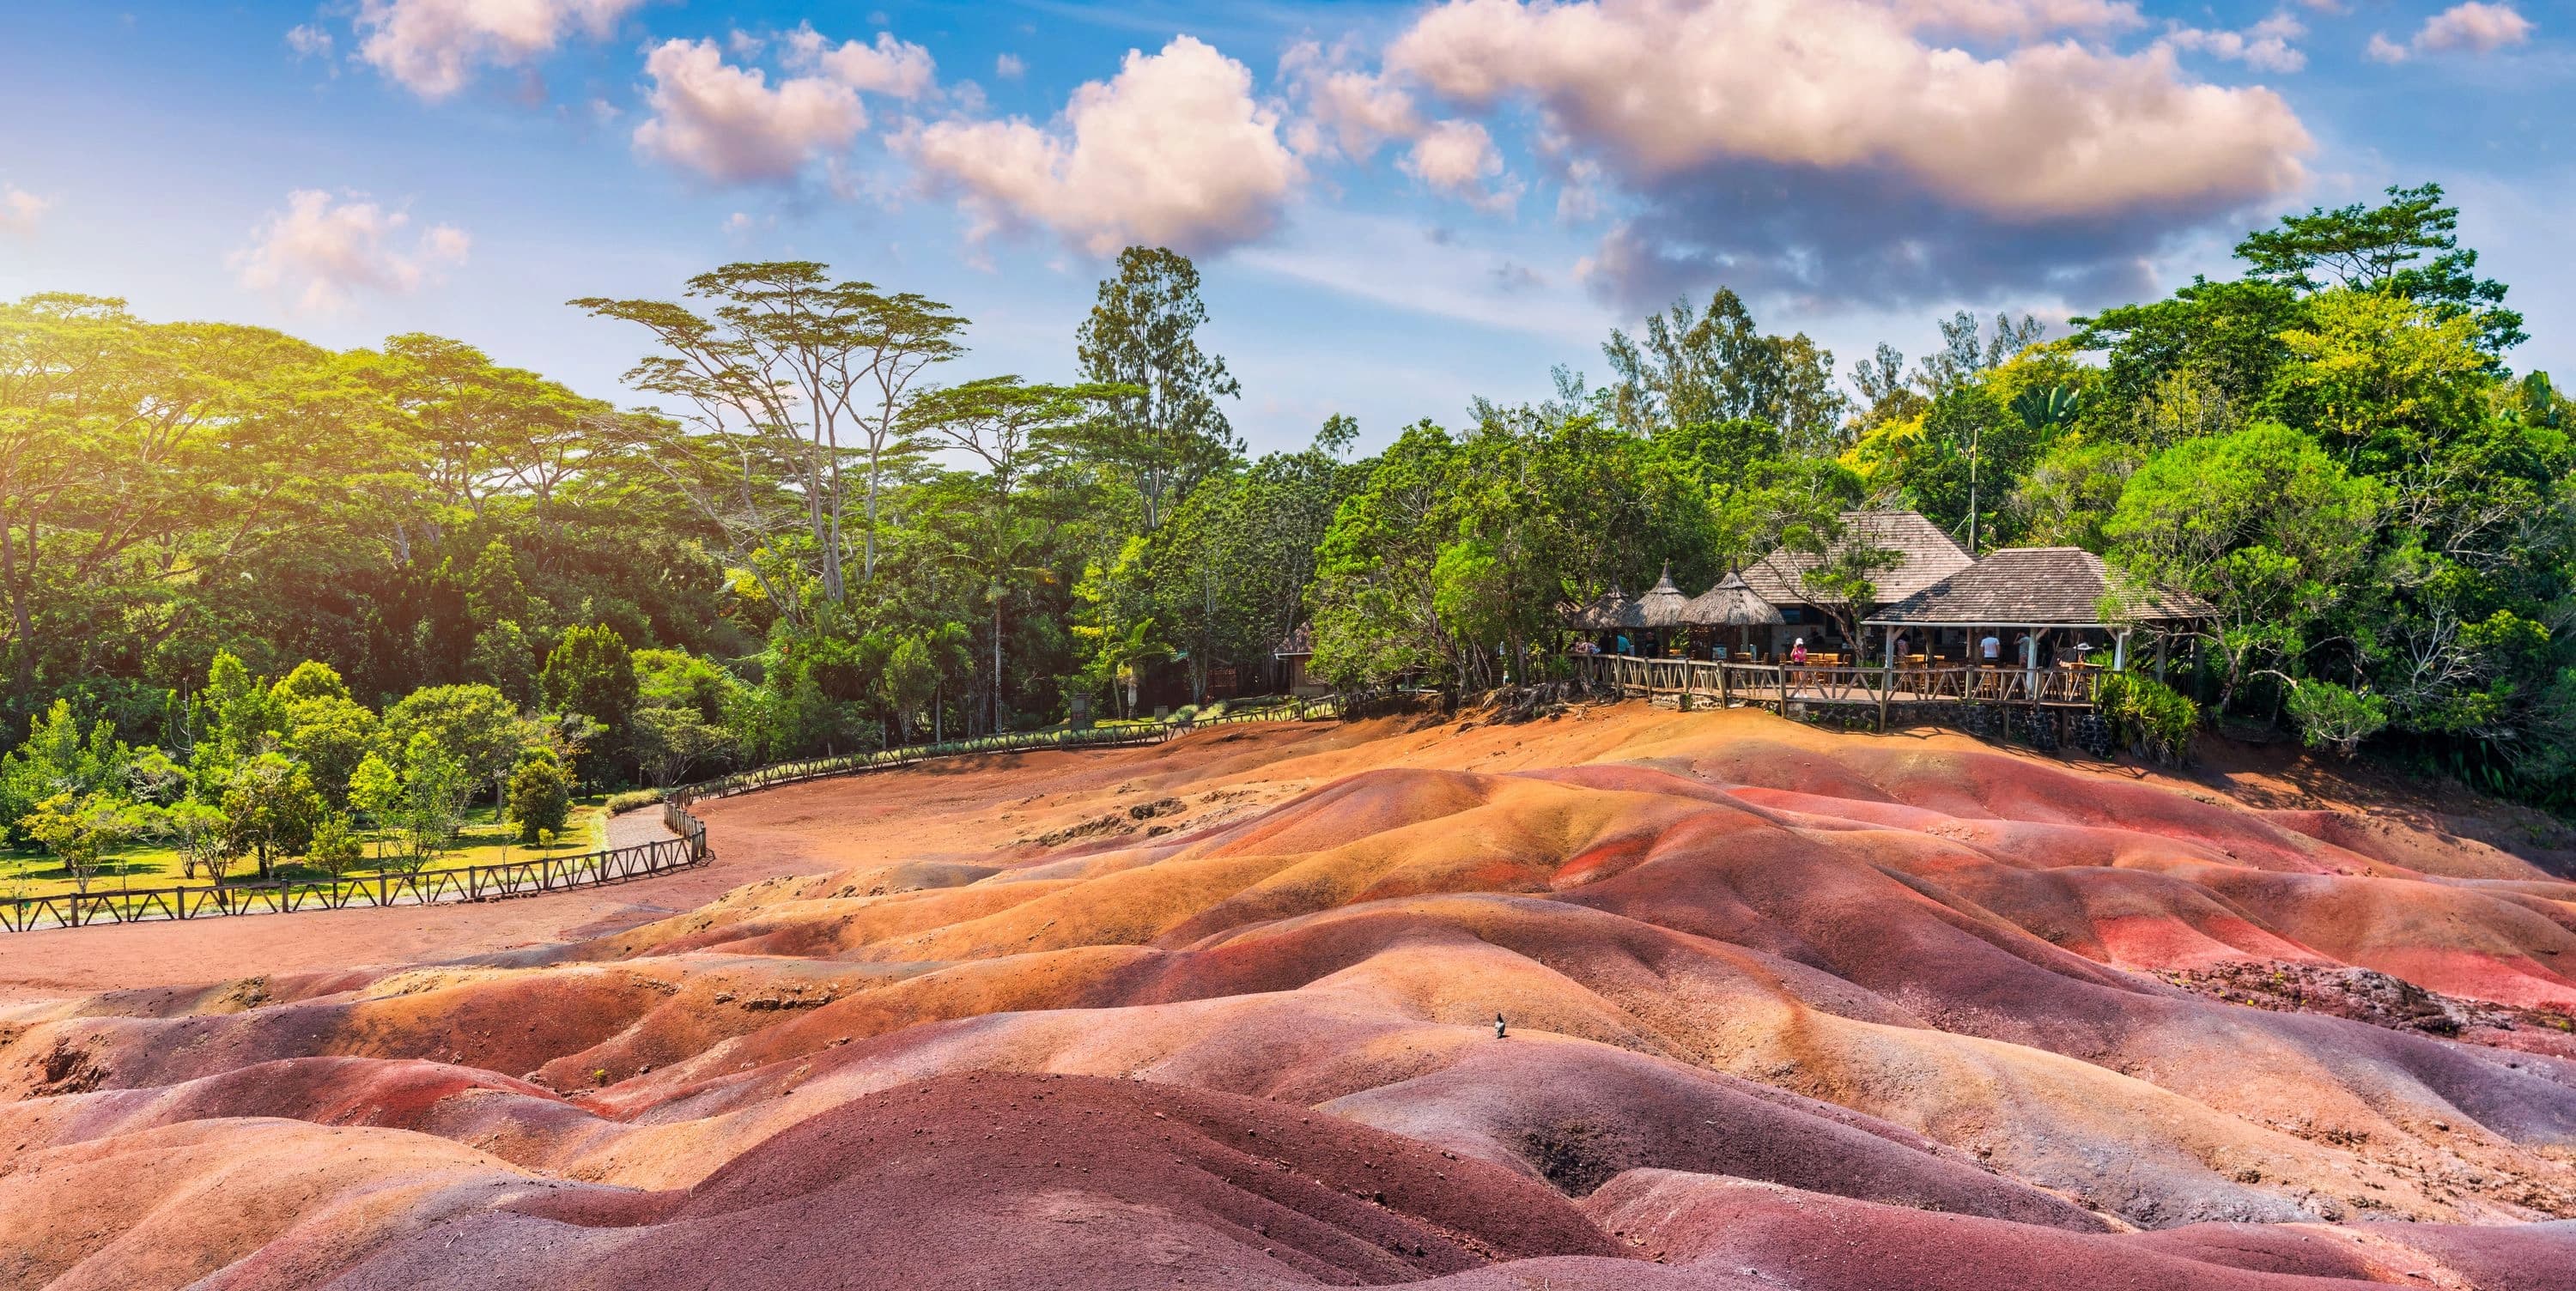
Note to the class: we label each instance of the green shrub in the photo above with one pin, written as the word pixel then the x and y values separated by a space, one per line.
pixel 632 799
pixel 2152 718
pixel 540 795
pixel 2331 717
pixel 334 848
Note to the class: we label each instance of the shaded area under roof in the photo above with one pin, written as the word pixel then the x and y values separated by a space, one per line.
pixel 1927 556
pixel 2037 587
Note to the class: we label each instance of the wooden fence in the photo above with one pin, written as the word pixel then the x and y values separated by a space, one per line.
pixel 1781 686
pixel 687 848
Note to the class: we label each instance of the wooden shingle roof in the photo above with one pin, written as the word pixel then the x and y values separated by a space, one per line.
pixel 2037 587
pixel 1928 556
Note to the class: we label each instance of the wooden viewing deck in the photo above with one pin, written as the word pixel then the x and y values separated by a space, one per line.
pixel 1782 687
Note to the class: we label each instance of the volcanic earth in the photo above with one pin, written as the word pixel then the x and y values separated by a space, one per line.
pixel 1786 1009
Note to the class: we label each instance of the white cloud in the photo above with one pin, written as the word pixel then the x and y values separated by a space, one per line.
pixel 729 124
pixel 1173 150
pixel 21 211
pixel 2266 46
pixel 323 252
pixel 1351 113
pixel 1459 158
pixel 1009 67
pixel 2049 130
pixel 890 67
pixel 432 47
pixel 2474 28
pixel 2022 19
pixel 2471 28
pixel 308 41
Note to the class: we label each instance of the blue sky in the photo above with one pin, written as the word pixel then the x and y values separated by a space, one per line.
pixel 1395 207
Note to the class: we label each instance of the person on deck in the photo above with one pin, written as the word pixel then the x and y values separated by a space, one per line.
pixel 1798 650
pixel 1990 649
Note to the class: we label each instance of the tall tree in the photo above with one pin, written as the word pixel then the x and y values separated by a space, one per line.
pixel 2384 250
pixel 790 370
pixel 1714 365
pixel 1165 432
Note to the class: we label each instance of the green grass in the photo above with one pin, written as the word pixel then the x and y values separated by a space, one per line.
pixel 30 872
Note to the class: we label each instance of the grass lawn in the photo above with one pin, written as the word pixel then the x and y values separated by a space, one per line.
pixel 31 872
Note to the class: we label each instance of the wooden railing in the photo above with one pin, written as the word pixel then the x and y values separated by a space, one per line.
pixel 1121 735
pixel 686 848
pixel 420 887
pixel 1778 685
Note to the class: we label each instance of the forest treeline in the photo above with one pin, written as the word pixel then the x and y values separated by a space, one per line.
pixel 827 529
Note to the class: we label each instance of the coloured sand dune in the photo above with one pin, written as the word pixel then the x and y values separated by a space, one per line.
pixel 1787 1009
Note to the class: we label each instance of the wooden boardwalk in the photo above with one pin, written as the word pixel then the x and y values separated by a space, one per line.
pixel 1785 688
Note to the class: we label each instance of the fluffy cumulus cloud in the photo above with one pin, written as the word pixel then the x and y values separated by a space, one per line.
pixel 1349 114
pixel 1879 164
pixel 2472 28
pixel 321 252
pixel 432 47
pixel 890 67
pixel 2267 46
pixel 1174 151
pixel 21 212
pixel 730 124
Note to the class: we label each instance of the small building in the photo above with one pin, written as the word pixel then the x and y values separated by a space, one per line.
pixel 1293 653
pixel 2039 604
pixel 1925 555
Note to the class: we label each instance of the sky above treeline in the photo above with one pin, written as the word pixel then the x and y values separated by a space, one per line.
pixel 1395 206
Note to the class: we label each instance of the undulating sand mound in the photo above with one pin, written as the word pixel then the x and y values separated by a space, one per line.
pixel 1787 1008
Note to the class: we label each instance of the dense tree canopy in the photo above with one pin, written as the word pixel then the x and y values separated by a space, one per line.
pixel 248 584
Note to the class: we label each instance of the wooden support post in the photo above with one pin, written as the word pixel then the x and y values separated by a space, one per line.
pixel 1725 690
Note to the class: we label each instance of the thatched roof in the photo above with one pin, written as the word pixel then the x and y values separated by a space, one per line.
pixel 2037 587
pixel 1731 604
pixel 1661 607
pixel 1599 616
pixel 1927 556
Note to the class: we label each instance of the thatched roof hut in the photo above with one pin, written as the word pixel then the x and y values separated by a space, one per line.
pixel 2038 587
pixel 1661 608
pixel 1731 604
pixel 1601 615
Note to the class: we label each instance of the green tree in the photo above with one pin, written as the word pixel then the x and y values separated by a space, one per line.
pixel 2383 250
pixel 476 727
pixel 376 789
pixel 2263 524
pixel 435 787
pixel 330 735
pixel 79 830
pixel 270 807
pixel 502 659
pixel 540 795
pixel 493 592
pixel 1165 431
pixel 334 848
pixel 909 681
pixel 591 672
pixel 58 757
pixel 1714 366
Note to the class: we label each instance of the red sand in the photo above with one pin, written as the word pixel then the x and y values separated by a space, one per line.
pixel 1788 1008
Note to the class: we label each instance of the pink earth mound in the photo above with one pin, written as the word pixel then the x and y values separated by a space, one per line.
pixel 1786 1009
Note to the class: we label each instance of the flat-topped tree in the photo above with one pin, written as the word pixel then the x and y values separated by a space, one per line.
pixel 788 379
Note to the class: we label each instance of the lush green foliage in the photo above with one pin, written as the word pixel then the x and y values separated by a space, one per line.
pixel 2149 716
pixel 817 542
